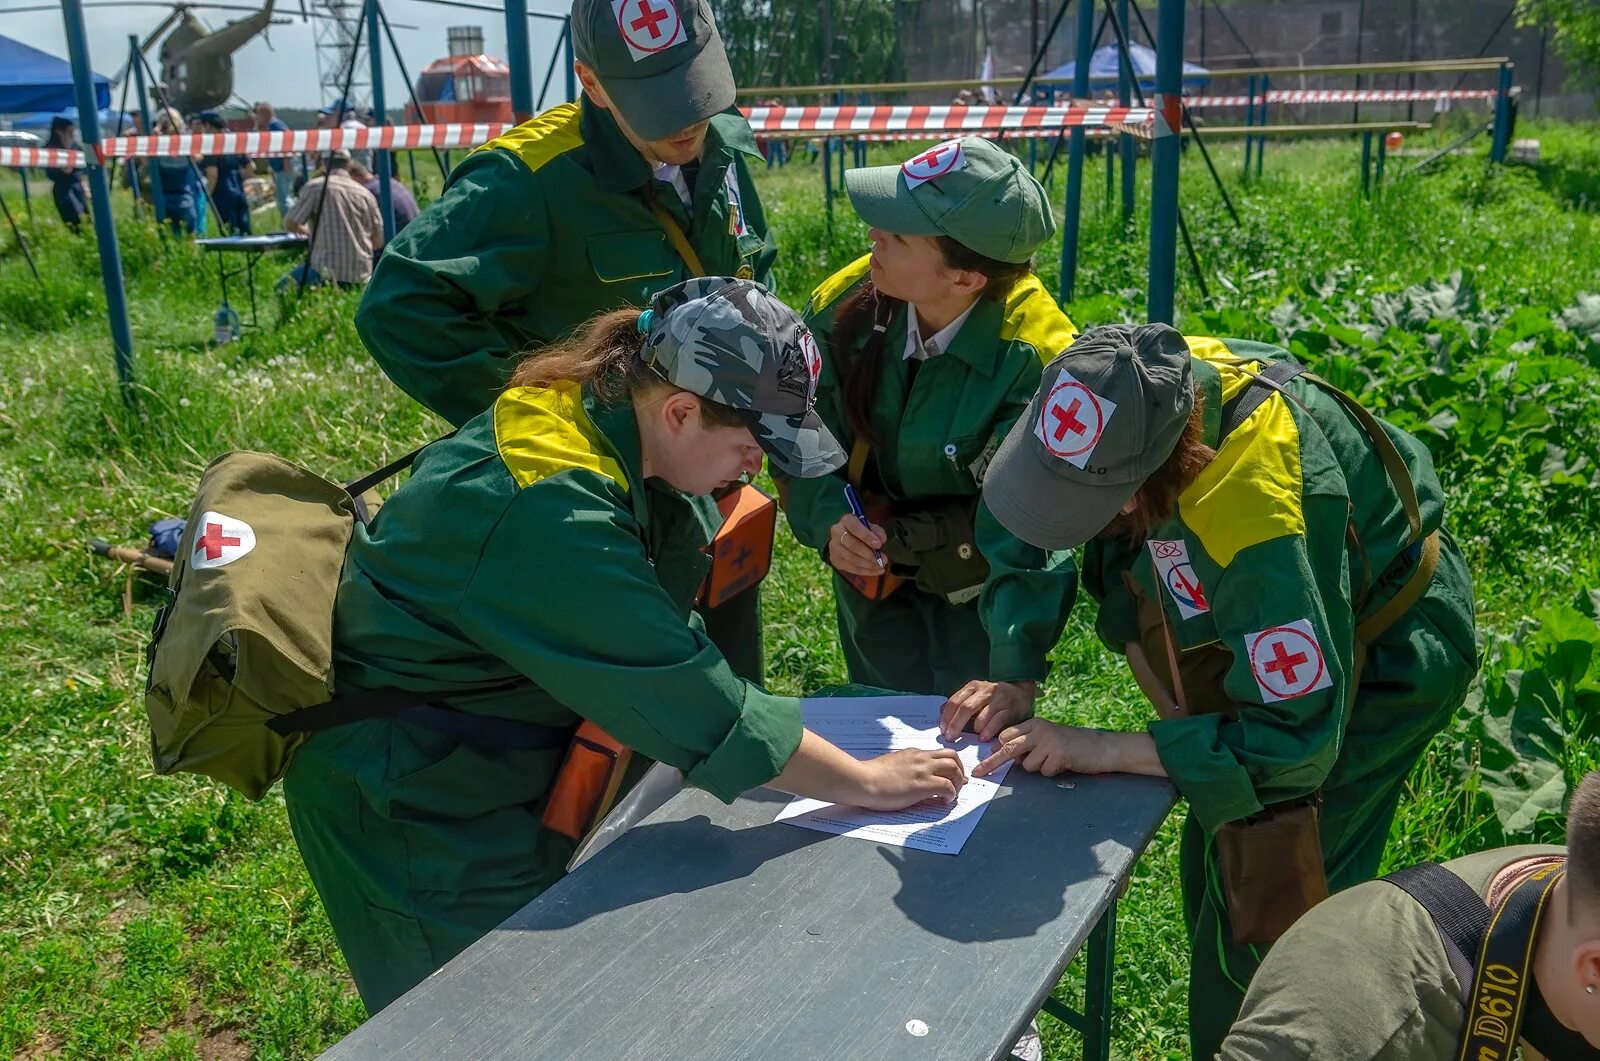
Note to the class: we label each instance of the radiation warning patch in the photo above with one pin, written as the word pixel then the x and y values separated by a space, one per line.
pixel 1174 571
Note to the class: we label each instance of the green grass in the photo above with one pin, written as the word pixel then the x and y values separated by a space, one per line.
pixel 165 917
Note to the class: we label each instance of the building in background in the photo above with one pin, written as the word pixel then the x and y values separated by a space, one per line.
pixel 466 85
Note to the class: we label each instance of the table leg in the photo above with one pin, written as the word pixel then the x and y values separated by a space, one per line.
pixel 1094 1023
pixel 1097 987
pixel 250 283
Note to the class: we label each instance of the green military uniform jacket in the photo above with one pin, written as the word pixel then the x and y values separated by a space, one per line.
pixel 539 230
pixel 966 398
pixel 1363 977
pixel 1257 560
pixel 527 546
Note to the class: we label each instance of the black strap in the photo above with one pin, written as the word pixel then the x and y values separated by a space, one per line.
pixel 424 709
pixel 1458 912
pixel 1271 378
pixel 395 467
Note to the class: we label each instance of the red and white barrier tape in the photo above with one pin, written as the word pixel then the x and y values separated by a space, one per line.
pixel 1343 95
pixel 264 144
pixel 926 120
pixel 33 157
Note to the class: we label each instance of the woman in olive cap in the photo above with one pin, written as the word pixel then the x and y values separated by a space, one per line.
pixel 1271 560
pixel 933 345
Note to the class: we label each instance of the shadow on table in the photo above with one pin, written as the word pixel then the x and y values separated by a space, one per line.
pixel 685 856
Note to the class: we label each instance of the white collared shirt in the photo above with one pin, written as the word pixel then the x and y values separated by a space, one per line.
pixel 673 175
pixel 918 349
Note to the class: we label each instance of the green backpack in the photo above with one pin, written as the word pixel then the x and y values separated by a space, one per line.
pixel 241 656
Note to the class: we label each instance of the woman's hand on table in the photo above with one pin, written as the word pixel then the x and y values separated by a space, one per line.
pixel 1050 748
pixel 988 707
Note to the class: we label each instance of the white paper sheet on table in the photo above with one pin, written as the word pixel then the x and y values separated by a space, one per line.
pixel 870 726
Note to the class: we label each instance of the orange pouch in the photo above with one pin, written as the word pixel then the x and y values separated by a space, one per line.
pixel 876 587
pixel 586 785
pixel 741 552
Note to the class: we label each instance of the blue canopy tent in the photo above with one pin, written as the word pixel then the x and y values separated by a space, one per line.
pixel 39 121
pixel 32 81
pixel 1105 62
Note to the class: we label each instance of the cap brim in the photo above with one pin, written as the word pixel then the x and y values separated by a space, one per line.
pixel 656 107
pixel 1033 501
pixel 801 446
pixel 882 200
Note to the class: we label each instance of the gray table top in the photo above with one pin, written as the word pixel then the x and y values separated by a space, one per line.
pixel 712 932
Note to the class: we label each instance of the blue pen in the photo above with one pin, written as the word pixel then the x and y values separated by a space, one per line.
pixel 861 514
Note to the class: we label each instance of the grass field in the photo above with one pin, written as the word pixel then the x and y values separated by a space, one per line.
pixel 167 918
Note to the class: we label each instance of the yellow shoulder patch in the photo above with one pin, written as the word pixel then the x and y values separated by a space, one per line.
pixel 1253 491
pixel 544 431
pixel 1032 316
pixel 542 137
pixel 833 288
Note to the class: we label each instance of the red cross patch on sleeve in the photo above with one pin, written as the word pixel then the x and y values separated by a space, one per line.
pixel 220 540
pixel 1287 662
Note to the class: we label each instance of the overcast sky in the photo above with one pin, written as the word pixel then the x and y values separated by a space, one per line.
pixel 286 72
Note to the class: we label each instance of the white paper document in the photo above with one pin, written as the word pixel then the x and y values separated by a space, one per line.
pixel 867 727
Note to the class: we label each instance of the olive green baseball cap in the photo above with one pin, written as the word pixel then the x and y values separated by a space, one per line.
pixel 1108 413
pixel 968 189
pixel 661 61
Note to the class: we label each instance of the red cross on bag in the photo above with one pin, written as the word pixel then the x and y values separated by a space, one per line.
pixel 220 540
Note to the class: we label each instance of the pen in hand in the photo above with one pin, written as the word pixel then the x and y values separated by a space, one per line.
pixel 861 514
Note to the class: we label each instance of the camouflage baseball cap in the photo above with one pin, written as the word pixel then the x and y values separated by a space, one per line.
pixel 968 189
pixel 732 342
pixel 661 61
pixel 1108 413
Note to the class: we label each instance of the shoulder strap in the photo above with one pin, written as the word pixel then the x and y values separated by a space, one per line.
pixel 675 236
pixel 1458 912
pixel 1272 378
pixel 423 709
pixel 360 486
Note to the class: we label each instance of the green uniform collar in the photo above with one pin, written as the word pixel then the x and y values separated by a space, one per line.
pixel 975 342
pixel 618 166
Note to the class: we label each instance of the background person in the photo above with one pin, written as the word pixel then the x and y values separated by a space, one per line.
pixel 1288 548
pixel 934 346
pixel 400 198
pixel 1365 976
pixel 557 538
pixel 67 185
pixel 181 191
pixel 343 220
pixel 281 167
pixel 225 174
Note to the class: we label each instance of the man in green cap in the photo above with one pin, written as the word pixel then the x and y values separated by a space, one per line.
pixel 1270 559
pixel 933 345
pixel 589 206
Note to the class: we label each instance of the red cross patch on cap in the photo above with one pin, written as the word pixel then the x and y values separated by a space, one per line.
pixel 1072 420
pixel 1174 571
pixel 808 350
pixel 648 26
pixel 220 540
pixel 934 163
pixel 1287 661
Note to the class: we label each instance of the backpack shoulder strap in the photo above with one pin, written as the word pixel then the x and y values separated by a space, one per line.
pixel 1458 912
pixel 1271 378
pixel 357 487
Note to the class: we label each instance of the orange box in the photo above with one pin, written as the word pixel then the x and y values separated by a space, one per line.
pixel 741 552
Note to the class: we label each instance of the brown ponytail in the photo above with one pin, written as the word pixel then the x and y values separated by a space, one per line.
pixel 1157 497
pixel 604 356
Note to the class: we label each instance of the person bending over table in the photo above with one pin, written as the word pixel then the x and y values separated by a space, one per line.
pixel 934 345
pixel 1270 559
pixel 1367 975
pixel 549 553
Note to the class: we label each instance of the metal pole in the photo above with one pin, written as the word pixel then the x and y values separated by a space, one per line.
pixel 1072 207
pixel 1249 120
pixel 416 104
pixel 1361 27
pixel 1383 154
pixel 27 196
pixel 385 166
pixel 555 57
pixel 1502 116
pixel 1412 80
pixel 104 226
pixel 1261 141
pixel 21 243
pixel 157 196
pixel 519 58
pixel 1366 165
pixel 1165 159
pixel 572 57
pixel 1125 143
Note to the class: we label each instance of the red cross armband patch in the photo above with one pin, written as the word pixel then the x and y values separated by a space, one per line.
pixel 1174 571
pixel 648 26
pixel 1287 662
pixel 220 540
pixel 1071 420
